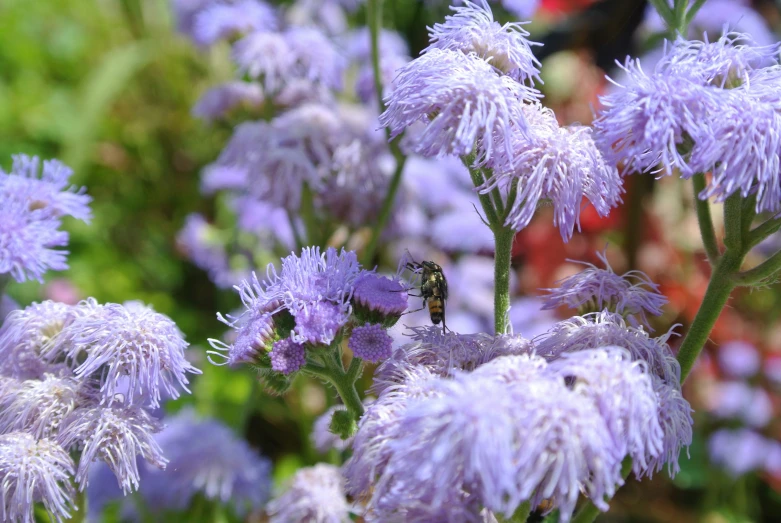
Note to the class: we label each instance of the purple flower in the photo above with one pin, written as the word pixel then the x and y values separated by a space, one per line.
pixel 299 53
pixel 739 359
pixel 748 162
pixel 442 353
pixel 738 400
pixel 224 20
pixel 45 188
pixel 34 470
pixel 287 356
pixel 740 451
pixel 322 438
pixel 202 244
pixel 29 239
pixel 115 435
pixel 377 294
pixel 463 102
pixel 624 393
pixel 632 293
pixel 24 335
pixel 561 164
pixel 132 341
pixel 215 463
pixel 185 11
pixel 676 421
pixel 522 9
pixel 357 45
pixel 370 343
pixel 218 101
pixel 254 335
pixel 721 63
pixel 463 440
pixel 601 329
pixel 39 406
pixel 315 494
pixel 645 123
pixel 472 29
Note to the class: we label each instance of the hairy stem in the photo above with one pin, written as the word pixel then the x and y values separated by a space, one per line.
pixel 343 381
pixel 374 20
pixel 733 223
pixel 761 274
pixel 716 296
pixel 80 514
pixel 762 231
pixel 705 220
pixel 503 241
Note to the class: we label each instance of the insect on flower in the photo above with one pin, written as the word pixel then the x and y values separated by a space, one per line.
pixel 433 289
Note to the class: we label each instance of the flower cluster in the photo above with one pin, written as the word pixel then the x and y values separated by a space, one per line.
pixel 301 310
pixel 443 444
pixel 82 378
pixel 593 289
pixel 33 201
pixel 677 117
pixel 470 88
pixel 314 494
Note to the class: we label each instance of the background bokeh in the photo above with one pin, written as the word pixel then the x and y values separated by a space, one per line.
pixel 107 86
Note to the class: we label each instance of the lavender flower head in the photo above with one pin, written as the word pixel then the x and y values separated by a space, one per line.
pixel 38 406
pixel 287 356
pixel 216 463
pixel 461 99
pixel 132 341
pixel 220 100
pixel 34 470
pixel 377 297
pixel 632 293
pixel 472 29
pixel 561 164
pixel 741 451
pixel 739 359
pixel 223 20
pixel 24 335
pixel 45 187
pixel 371 343
pixel 115 435
pixel 315 494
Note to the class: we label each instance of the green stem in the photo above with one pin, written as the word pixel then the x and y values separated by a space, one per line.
pixel 733 223
pixel 503 241
pixel 387 206
pixel 760 274
pixel 716 296
pixel 343 382
pixel 346 390
pixel 308 216
pixel 679 14
pixel 485 200
pixel 80 514
pixel 296 234
pixel 705 220
pixel 693 11
pixel 663 8
pixel 762 231
pixel 374 21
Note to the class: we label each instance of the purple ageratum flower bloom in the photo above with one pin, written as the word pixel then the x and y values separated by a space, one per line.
pixel 298 53
pixel 224 20
pixel 739 400
pixel 676 421
pixel 721 63
pixel 443 353
pixel 357 45
pixel 45 188
pixel 645 122
pixel 215 463
pixel 218 101
pixel 132 341
pixel 601 329
pixel 287 356
pixel 34 470
pixel 379 294
pixel 370 343
pixel 463 102
pixel 24 335
pixel 562 164
pixel 201 242
pixel 739 359
pixel 315 494
pixel 185 11
pixel 466 451
pixel 254 334
pixel 29 240
pixel 747 163
pixel 472 29
pixel 740 451
pixel 624 393
pixel 115 435
pixel 39 406
pixel 629 294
